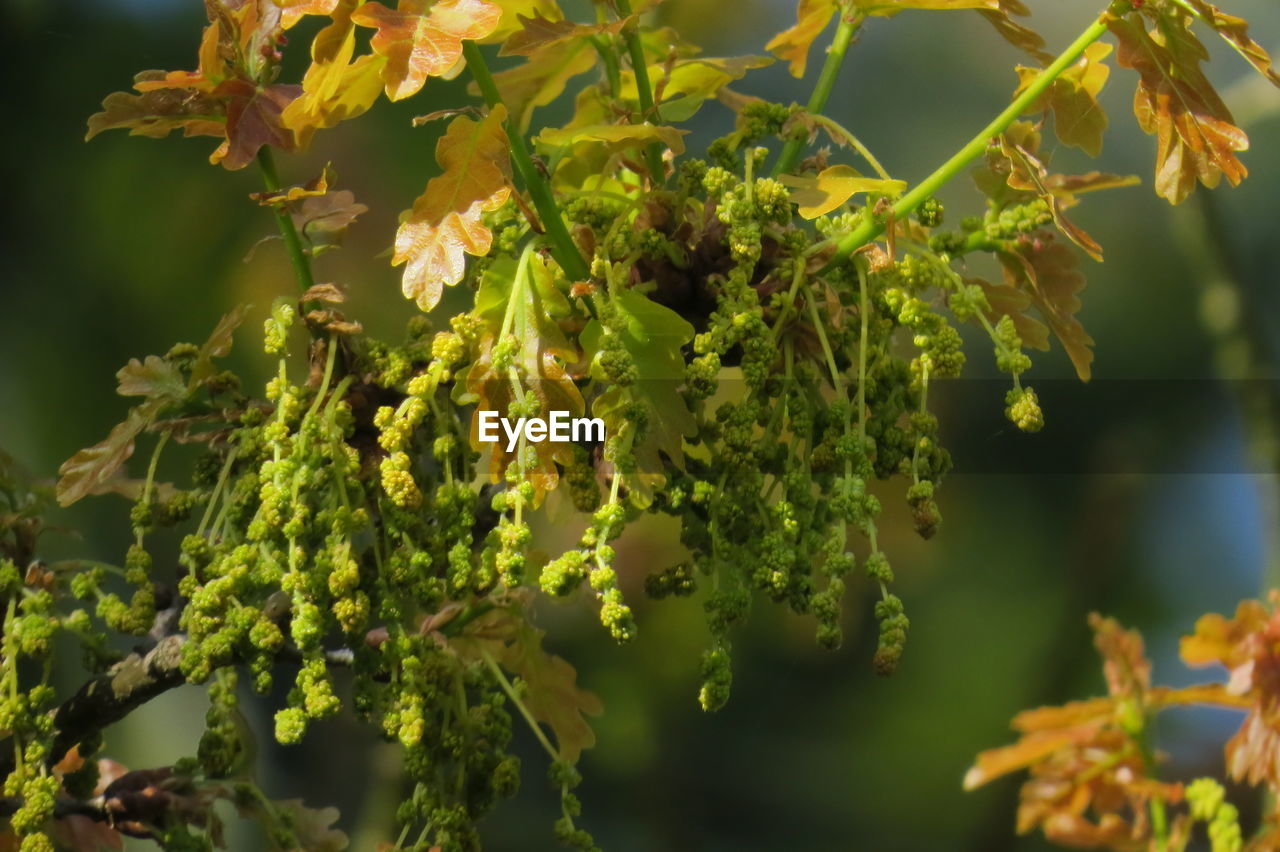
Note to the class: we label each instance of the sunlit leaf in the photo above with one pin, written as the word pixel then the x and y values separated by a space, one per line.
pixel 792 45
pixel 1196 137
pixel 617 137
pixel 543 78
pixel 334 88
pixel 1236 32
pixel 421 39
pixel 818 195
pixel 293 11
pixel 445 222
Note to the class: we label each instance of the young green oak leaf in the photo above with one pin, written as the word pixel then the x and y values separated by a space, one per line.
pixel 522 301
pixel 832 187
pixel 420 39
pixel 687 84
pixel 335 88
pixel 1078 119
pixel 445 223
pixel 653 336
pixel 616 137
pixel 1197 139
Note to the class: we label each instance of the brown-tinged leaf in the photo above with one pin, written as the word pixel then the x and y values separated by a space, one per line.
pixel 994 763
pixel 1049 273
pixel 1236 32
pixel 1196 138
pixel 335 87
pixel 1018 34
pixel 218 345
pixel 1078 119
pixel 88 469
pixel 254 119
pixel 153 377
pixel 1124 663
pixel 1220 640
pixel 820 194
pixel 323 220
pixel 445 222
pixel 1027 173
pixel 421 39
pixel 1007 300
pixel 158 113
pixel 539 32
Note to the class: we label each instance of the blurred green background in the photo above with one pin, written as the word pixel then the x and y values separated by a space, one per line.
pixel 1150 495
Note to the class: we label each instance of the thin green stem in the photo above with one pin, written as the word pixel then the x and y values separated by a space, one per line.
pixel 644 90
pixel 563 249
pixel 292 241
pixel 871 227
pixel 849 23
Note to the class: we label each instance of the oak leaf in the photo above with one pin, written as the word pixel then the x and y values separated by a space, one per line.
pixel 617 137
pixel 445 223
pixel 1017 34
pixel 323 220
pixel 420 39
pixel 335 87
pixel 812 17
pixel 521 301
pixel 1078 119
pixel 1196 137
pixel 682 87
pixel 1236 32
pixel 292 11
pixel 93 469
pixel 538 32
pixel 552 693
pixel 653 335
pixel 1049 273
pixel 542 79
pixel 820 194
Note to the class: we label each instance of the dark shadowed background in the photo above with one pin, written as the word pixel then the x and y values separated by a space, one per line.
pixel 1148 496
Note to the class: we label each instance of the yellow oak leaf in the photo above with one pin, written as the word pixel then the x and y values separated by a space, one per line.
pixel 792 45
pixel 812 17
pixel 445 223
pixel 819 195
pixel 616 137
pixel 542 79
pixel 420 39
pixel 292 11
pixel 334 88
